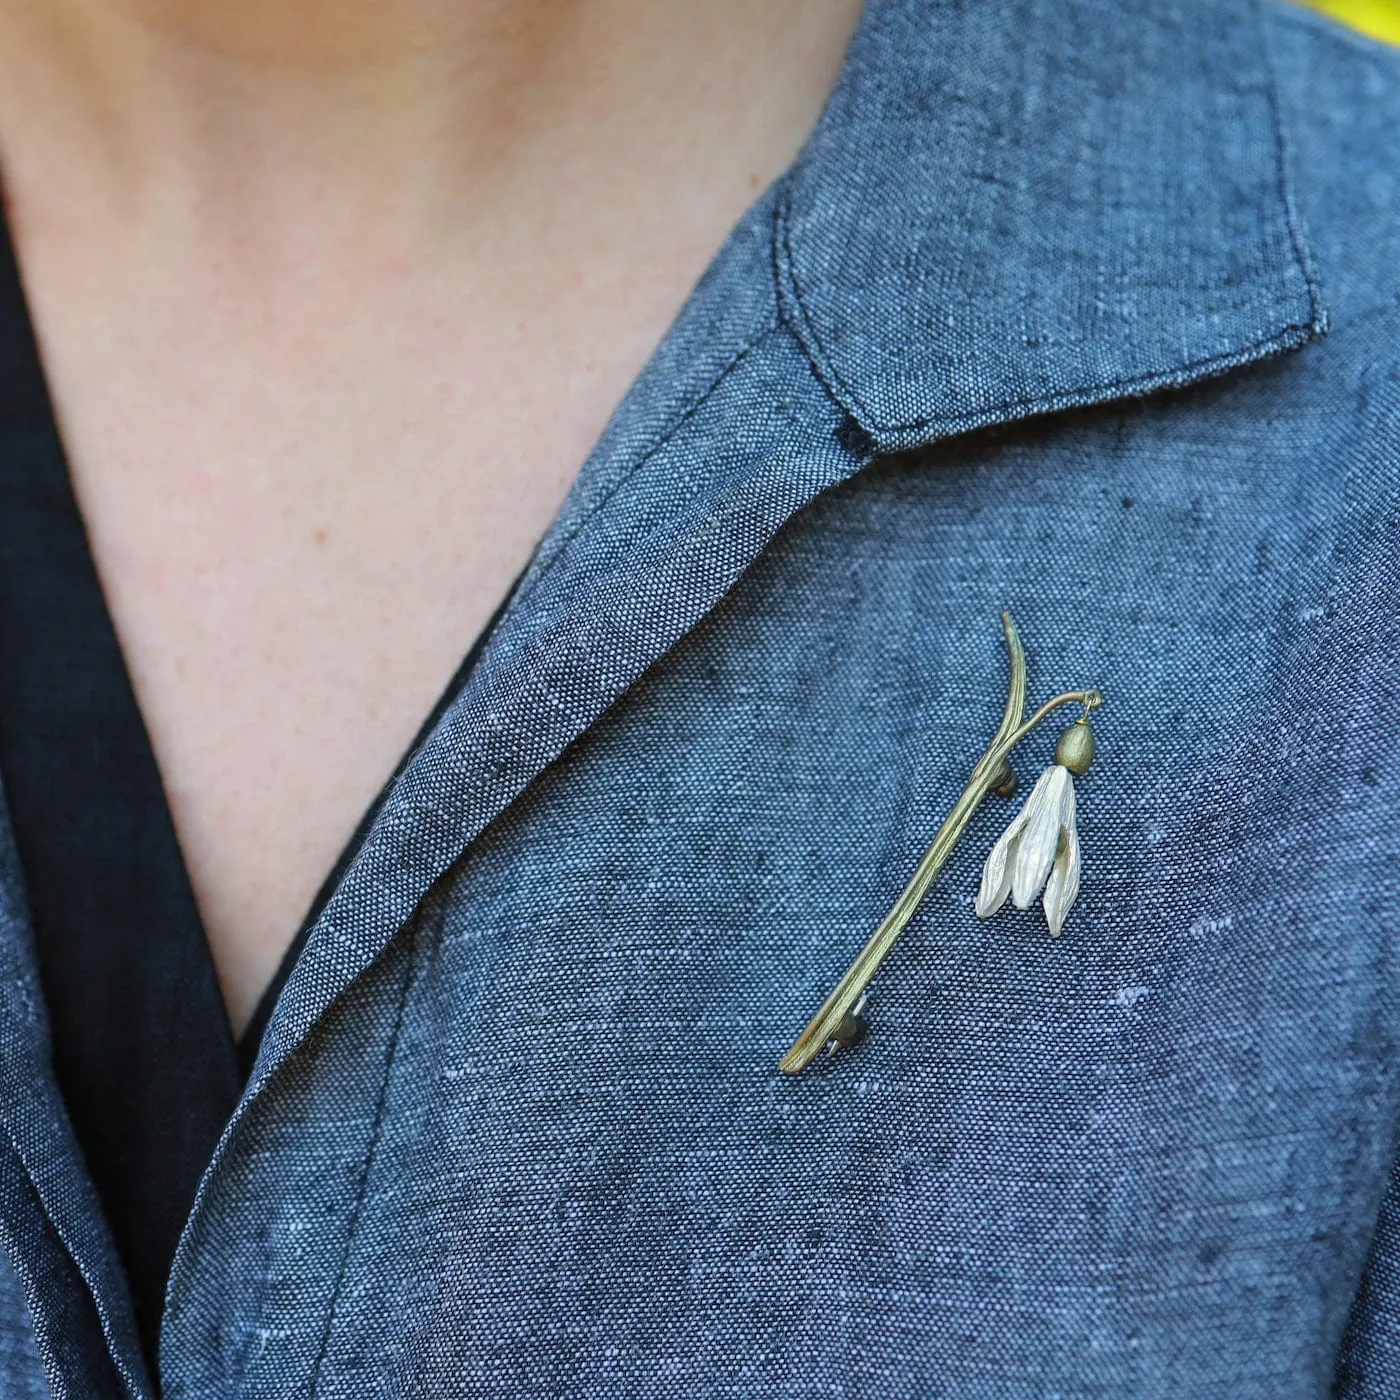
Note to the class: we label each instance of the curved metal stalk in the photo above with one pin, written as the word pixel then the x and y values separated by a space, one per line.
pixel 848 991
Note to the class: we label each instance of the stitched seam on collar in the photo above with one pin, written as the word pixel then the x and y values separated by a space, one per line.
pixel 793 308
pixel 1287 337
pixel 794 312
pixel 1301 253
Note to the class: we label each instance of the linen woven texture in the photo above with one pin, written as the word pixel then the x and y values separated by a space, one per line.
pixel 1036 321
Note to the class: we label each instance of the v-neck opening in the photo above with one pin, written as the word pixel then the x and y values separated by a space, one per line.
pixel 247 1044
pixel 141 1043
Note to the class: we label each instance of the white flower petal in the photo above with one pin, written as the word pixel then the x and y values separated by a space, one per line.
pixel 1035 852
pixel 996 873
pixel 1063 884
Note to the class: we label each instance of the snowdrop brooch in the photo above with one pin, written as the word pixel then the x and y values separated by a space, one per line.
pixel 1037 854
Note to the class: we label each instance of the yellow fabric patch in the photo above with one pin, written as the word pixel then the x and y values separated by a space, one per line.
pixel 1379 18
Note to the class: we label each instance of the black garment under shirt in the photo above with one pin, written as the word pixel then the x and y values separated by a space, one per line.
pixel 142 1048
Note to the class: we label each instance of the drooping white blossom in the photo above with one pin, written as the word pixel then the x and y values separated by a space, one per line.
pixel 1039 850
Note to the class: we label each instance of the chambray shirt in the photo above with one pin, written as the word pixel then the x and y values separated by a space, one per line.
pixel 1089 311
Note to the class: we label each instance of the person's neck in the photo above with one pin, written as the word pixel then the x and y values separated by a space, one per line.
pixel 421 115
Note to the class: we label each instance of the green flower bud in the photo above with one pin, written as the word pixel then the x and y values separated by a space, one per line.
pixel 1075 747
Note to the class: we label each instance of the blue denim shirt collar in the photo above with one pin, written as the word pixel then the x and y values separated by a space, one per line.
pixel 1010 208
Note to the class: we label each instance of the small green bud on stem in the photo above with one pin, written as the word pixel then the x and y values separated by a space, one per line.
pixel 1075 747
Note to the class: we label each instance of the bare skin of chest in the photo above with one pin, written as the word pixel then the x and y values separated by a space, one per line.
pixel 297 549
pixel 333 302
